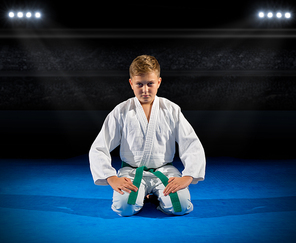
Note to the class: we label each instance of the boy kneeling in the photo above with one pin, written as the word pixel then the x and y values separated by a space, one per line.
pixel 146 127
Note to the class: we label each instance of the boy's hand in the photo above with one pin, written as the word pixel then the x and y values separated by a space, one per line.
pixel 121 184
pixel 176 184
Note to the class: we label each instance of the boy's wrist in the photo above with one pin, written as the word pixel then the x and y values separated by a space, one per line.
pixel 111 178
pixel 189 178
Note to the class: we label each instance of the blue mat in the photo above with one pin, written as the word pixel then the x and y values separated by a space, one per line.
pixel 56 201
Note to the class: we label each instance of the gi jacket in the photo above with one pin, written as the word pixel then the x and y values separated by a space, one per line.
pixel 147 143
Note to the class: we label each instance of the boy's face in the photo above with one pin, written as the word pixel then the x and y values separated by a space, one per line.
pixel 145 87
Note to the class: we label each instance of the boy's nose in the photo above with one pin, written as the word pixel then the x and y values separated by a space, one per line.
pixel 145 88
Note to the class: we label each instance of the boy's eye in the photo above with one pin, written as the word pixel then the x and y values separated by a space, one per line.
pixel 141 85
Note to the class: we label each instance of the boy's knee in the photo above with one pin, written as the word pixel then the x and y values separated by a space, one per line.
pixel 126 210
pixel 186 208
pixel 166 205
pixel 122 208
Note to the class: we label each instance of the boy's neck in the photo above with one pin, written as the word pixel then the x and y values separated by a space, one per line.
pixel 147 109
pixel 147 104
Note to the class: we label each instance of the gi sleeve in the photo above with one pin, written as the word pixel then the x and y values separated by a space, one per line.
pixel 99 155
pixel 191 151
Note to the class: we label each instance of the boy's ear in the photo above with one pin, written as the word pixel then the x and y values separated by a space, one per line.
pixel 131 82
pixel 159 81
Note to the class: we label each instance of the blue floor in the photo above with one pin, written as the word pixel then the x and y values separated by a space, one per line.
pixel 56 201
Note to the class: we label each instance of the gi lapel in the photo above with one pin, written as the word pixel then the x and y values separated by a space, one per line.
pixel 148 128
pixel 141 117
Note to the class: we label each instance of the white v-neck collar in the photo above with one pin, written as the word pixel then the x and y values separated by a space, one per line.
pixel 141 113
pixel 147 128
pixel 141 116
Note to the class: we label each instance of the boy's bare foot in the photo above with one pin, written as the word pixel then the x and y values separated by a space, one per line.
pixel 152 199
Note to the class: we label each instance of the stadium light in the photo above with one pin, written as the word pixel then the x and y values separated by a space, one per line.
pixel 288 15
pixel 261 15
pixel 278 15
pixel 270 15
pixel 20 14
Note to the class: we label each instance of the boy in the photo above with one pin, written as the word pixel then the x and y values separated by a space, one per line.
pixel 146 127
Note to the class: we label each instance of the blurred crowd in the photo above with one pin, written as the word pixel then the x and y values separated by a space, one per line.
pixel 77 56
pixel 191 93
pixel 227 92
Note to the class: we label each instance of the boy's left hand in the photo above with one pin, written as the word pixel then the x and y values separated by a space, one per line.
pixel 176 184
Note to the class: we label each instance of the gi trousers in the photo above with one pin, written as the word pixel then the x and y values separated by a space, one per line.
pixel 150 185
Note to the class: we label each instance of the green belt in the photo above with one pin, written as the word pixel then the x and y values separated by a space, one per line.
pixel 137 181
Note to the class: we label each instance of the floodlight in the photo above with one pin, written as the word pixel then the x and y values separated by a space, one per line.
pixel 279 15
pixel 20 14
pixel 269 15
pixel 288 15
pixel 261 14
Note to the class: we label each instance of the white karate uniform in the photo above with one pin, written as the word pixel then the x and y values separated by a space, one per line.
pixel 146 143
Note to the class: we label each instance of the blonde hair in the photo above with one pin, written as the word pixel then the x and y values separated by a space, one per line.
pixel 144 64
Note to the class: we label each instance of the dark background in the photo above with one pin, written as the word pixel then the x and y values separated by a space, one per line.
pixel 232 75
pixel 148 14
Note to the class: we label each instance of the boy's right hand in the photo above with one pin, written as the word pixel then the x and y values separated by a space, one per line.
pixel 121 184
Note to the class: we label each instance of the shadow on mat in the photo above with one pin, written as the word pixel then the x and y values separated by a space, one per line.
pixel 205 208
